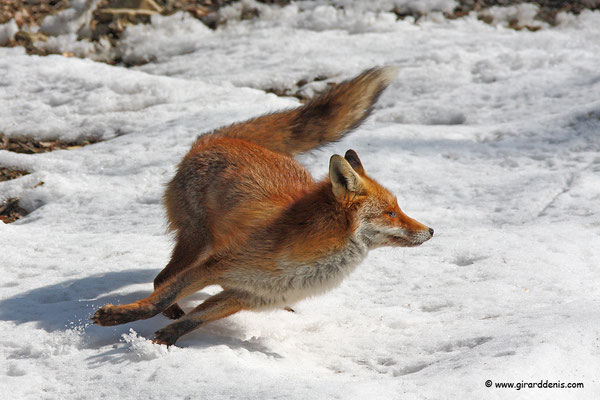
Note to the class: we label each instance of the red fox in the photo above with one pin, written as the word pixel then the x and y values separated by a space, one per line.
pixel 248 217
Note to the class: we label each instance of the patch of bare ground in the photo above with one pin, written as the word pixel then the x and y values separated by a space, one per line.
pixel 29 12
pixel 111 17
pixel 548 9
pixel 7 174
pixel 27 145
pixel 10 211
pixel 304 90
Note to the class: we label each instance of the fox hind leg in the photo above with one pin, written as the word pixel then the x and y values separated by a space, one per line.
pixel 219 306
pixel 186 253
pixel 185 283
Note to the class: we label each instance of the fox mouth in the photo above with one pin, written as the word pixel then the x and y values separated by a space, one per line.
pixel 404 242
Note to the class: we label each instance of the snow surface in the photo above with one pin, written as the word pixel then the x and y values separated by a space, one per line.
pixel 489 135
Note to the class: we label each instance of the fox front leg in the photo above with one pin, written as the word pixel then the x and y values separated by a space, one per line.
pixel 219 306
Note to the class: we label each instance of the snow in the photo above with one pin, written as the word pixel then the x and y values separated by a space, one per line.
pixel 7 31
pixel 488 135
pixel 521 14
pixel 71 20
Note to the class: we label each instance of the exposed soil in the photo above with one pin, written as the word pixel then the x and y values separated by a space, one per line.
pixel 548 8
pixel 547 13
pixel 303 90
pixel 108 24
pixel 29 12
pixel 6 174
pixel 10 211
pixel 32 146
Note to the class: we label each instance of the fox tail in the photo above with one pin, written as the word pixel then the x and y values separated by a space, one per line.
pixel 325 119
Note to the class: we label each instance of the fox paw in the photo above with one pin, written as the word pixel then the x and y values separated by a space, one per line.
pixel 165 336
pixel 174 312
pixel 111 315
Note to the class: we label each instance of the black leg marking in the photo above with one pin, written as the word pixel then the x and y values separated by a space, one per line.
pixel 169 334
pixel 174 312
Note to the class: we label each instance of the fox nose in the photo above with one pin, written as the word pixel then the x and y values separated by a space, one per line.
pixel 431 231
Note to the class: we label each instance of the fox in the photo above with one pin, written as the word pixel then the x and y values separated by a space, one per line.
pixel 247 216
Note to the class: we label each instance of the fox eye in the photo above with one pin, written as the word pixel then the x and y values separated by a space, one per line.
pixel 391 214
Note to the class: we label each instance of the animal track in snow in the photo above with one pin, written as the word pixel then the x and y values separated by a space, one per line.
pixel 505 353
pixel 467 259
pixel 386 361
pixel 410 369
pixel 433 307
pixel 461 343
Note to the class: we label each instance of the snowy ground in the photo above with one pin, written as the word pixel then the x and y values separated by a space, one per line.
pixel 489 135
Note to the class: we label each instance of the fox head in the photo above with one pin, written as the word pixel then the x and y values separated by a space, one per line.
pixel 380 220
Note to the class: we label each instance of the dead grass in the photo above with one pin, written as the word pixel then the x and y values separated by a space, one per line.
pixel 10 211
pixel 31 146
pixel 6 174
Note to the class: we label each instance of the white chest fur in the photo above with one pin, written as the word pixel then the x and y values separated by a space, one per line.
pixel 295 281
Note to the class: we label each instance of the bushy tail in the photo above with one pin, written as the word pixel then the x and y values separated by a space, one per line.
pixel 325 119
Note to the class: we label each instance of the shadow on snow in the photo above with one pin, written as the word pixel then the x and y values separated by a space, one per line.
pixel 71 303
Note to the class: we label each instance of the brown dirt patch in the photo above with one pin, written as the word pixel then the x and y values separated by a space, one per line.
pixel 32 146
pixel 10 211
pixel 299 90
pixel 547 13
pixel 108 23
pixel 29 12
pixel 7 174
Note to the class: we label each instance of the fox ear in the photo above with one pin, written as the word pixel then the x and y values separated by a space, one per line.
pixel 344 180
pixel 354 161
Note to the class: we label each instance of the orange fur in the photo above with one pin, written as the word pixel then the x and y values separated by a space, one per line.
pixel 250 218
